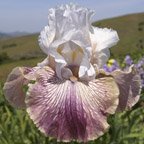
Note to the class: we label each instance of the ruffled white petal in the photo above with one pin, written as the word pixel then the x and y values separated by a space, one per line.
pixel 102 39
pixel 67 22
pixel 102 57
pixel 71 40
pixel 46 37
pixel 68 27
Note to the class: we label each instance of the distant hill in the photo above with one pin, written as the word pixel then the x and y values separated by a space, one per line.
pixel 21 47
pixel 3 35
pixel 12 34
pixel 18 34
pixel 130 29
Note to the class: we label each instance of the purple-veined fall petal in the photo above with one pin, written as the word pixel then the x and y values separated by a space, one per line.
pixel 70 110
pixel 130 87
pixel 129 83
pixel 13 88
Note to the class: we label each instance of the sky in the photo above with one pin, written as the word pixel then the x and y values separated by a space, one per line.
pixel 31 15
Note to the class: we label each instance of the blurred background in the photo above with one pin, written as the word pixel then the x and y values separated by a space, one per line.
pixel 20 25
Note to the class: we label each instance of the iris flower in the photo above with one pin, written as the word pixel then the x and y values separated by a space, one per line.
pixel 69 95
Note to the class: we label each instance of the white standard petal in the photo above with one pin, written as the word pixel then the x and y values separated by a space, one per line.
pixel 46 37
pixel 102 39
pixel 66 22
pixel 71 40
pixel 67 38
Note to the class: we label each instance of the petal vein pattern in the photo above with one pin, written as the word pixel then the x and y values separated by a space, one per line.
pixel 129 84
pixel 71 111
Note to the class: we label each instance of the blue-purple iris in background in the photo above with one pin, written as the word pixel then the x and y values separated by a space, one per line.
pixel 140 68
pixel 128 60
pixel 111 65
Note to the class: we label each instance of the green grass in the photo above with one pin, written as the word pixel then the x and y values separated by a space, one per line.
pixel 19 47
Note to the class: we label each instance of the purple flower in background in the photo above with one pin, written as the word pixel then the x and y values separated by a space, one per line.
pixel 111 65
pixel 69 95
pixel 140 68
pixel 128 61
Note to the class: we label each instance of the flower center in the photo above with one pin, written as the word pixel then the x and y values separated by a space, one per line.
pixel 72 54
pixel 74 69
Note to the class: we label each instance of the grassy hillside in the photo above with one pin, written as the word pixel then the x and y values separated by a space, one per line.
pixel 6 68
pixel 21 47
pixel 26 49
